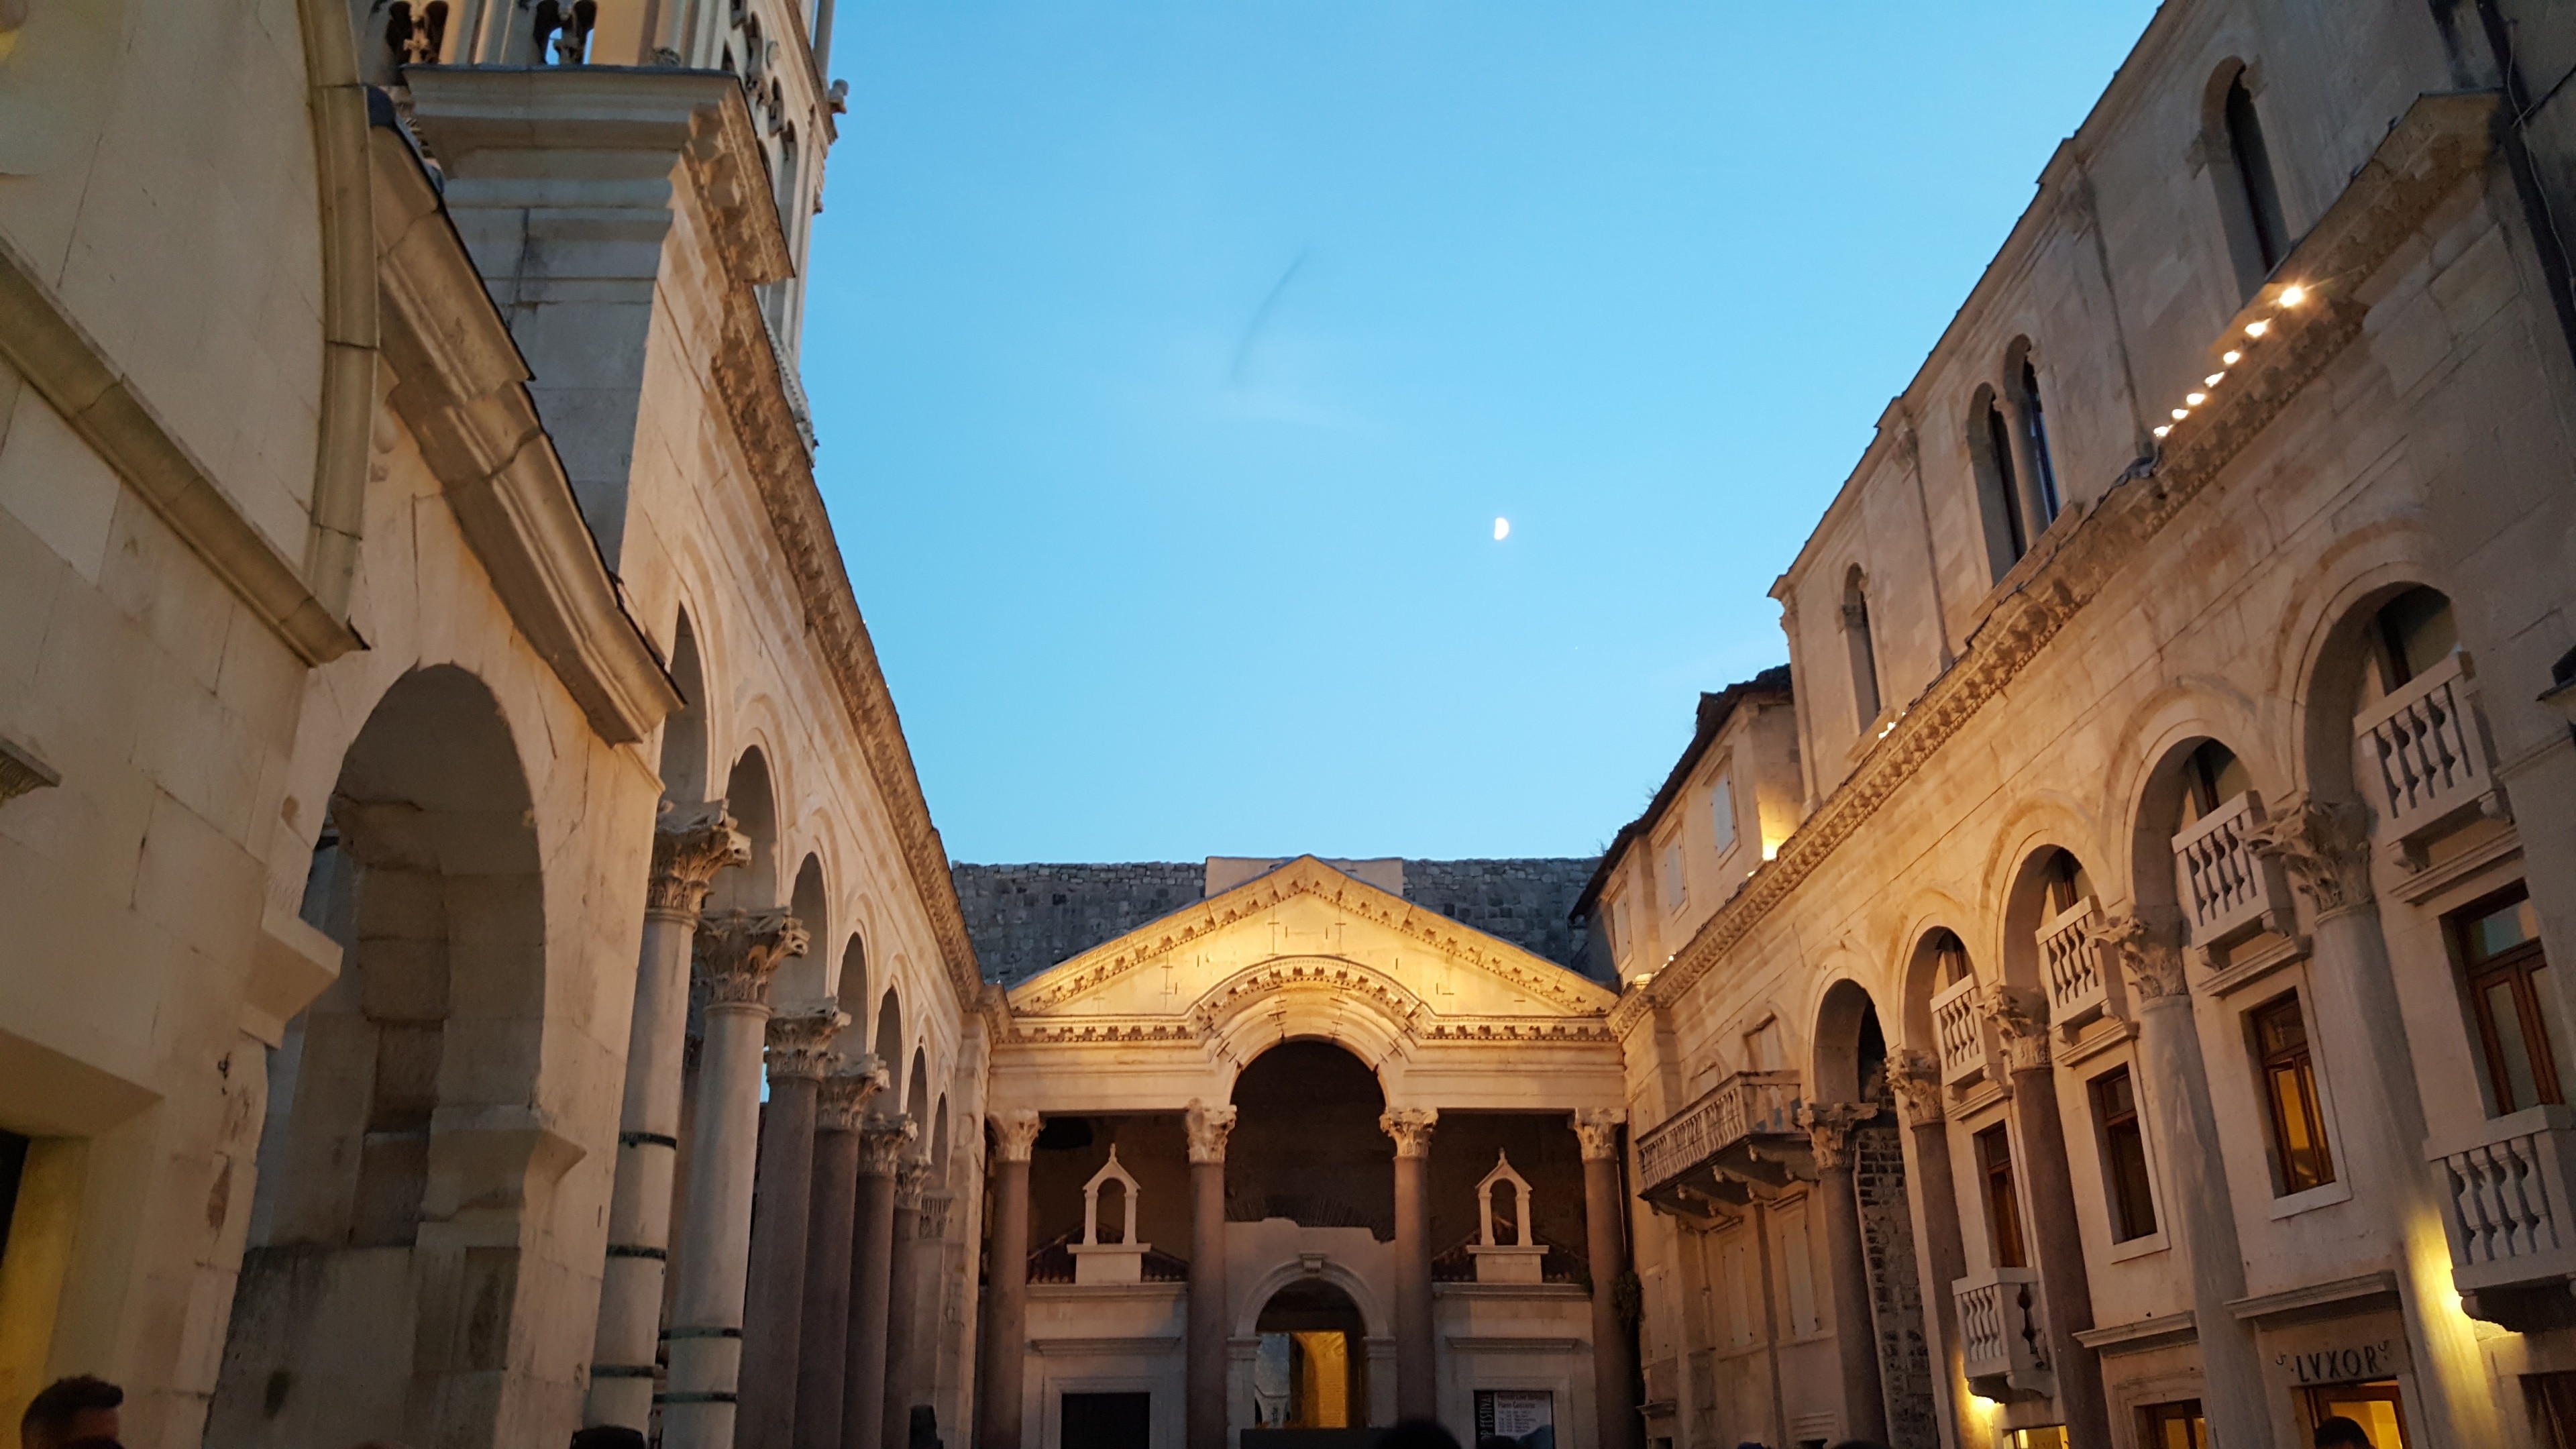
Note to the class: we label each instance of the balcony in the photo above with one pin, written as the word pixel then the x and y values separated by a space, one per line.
pixel 2424 756
pixel 2509 1206
pixel 2003 1334
pixel 2228 891
pixel 1960 1029
pixel 2082 978
pixel 1742 1134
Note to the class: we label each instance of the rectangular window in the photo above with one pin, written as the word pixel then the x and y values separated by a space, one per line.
pixel 2507 977
pixel 1762 1051
pixel 1800 1271
pixel 2290 1096
pixel 2003 1205
pixel 1676 878
pixel 2124 1156
pixel 2177 1425
pixel 1721 814
pixel 1618 923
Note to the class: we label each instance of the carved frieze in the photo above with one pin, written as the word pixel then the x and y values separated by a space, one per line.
pixel 846 1092
pixel 2149 956
pixel 800 1041
pixel 1015 1133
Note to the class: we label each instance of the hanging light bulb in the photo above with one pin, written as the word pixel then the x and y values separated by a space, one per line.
pixel 2293 295
pixel 2181 413
pixel 2257 329
pixel 2213 379
pixel 2195 399
pixel 2229 357
pixel 2163 428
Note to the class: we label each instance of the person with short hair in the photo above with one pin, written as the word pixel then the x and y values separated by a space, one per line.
pixel 2342 1433
pixel 77 1410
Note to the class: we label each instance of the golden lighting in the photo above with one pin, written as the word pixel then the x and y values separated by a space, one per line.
pixel 2181 413
pixel 2257 329
pixel 2195 399
pixel 2163 428
pixel 2213 379
pixel 2292 296
pixel 2229 357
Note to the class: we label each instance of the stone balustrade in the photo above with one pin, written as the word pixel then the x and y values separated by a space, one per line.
pixel 2077 967
pixel 2228 890
pixel 1747 1104
pixel 2423 753
pixel 1960 1029
pixel 2003 1333
pixel 2508 1198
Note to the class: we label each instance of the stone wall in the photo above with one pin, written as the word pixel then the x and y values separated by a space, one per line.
pixel 1896 1297
pixel 1026 918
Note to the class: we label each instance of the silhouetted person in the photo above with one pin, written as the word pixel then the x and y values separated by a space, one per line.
pixel 607 1436
pixel 2342 1433
pixel 430 41
pixel 69 1411
pixel 398 31
pixel 1417 1434
pixel 549 20
pixel 574 43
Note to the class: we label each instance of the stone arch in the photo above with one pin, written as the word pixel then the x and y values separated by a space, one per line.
pixel 1924 963
pixel 889 1040
pixel 2171 736
pixel 1312 998
pixel 2050 877
pixel 684 730
pixel 2336 675
pixel 939 1140
pixel 1377 1314
pixel 751 799
pixel 1989 442
pixel 850 988
pixel 1306 1143
pixel 801 978
pixel 2038 821
pixel 917 1086
pixel 1848 1043
pixel 403 1123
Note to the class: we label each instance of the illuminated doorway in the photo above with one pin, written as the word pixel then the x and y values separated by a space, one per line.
pixel 1311 1370
pixel 2376 1406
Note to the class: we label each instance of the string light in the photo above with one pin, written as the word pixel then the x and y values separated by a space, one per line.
pixel 2257 329
pixel 2181 413
pixel 2163 428
pixel 2292 296
pixel 2195 399
pixel 2229 357
pixel 2213 379
pixel 2289 296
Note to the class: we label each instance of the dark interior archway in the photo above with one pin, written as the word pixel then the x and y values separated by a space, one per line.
pixel 1306 1144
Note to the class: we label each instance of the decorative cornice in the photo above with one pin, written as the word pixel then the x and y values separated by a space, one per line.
pixel 800 1041
pixel 1596 1132
pixel 1207 1128
pixel 1306 876
pixel 1411 1129
pixel 1128 1030
pixel 737 951
pixel 1015 1133
pixel 2324 847
pixel 2439 141
pixel 690 844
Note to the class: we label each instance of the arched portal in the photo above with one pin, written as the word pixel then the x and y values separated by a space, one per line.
pixel 1878 1295
pixel 1311 1369
pixel 1306 1144
pixel 375 1169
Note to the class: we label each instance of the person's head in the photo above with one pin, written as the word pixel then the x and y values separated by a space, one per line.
pixel 1417 1434
pixel 2341 1433
pixel 607 1436
pixel 69 1410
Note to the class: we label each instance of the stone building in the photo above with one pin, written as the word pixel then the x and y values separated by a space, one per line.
pixel 480 963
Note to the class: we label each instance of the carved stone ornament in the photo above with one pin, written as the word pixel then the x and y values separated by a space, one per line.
pixel 1596 1130
pixel 1015 1133
pixel 884 1144
pixel 1917 1084
pixel 1829 1126
pixel 2020 1017
pixel 847 1090
pixel 1411 1129
pixel 2153 963
pixel 800 1041
pixel 690 844
pixel 21 771
pixel 738 950
pixel 935 1210
pixel 2325 848
pixel 1208 1127
pixel 911 1176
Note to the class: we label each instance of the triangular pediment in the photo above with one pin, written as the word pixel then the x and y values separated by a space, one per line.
pixel 1308 927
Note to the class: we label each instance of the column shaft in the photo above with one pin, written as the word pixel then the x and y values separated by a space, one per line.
pixel 1855 1325
pixel 800 1052
pixel 863 1390
pixel 1006 1300
pixel 1936 1226
pixel 1417 1383
pixel 2065 1285
pixel 1614 1369
pixel 1205 1396
pixel 905 1348
pixel 823 1348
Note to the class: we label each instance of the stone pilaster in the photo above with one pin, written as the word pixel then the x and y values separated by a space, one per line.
pixel 1006 1301
pixel 737 951
pixel 800 1056
pixel 1205 1397
pixel 823 1346
pixel 1417 1388
pixel 1829 1134
pixel 1614 1353
pixel 690 844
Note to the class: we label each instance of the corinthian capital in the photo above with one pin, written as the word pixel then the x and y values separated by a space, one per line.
pixel 1208 1128
pixel 936 1208
pixel 1015 1133
pixel 911 1175
pixel 1829 1127
pixel 1917 1083
pixel 1596 1131
pixel 737 950
pixel 2325 848
pixel 884 1143
pixel 2147 953
pixel 690 844
pixel 2020 1016
pixel 800 1041
pixel 1411 1129
pixel 846 1092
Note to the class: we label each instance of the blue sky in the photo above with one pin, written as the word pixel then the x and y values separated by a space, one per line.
pixel 1172 363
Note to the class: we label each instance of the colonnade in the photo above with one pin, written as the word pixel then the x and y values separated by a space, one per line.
pixel 1417 1392
pixel 798 1242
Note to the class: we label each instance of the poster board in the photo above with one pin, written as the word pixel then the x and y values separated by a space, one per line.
pixel 1525 1417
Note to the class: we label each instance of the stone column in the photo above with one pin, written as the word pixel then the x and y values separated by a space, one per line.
pixel 690 844
pixel 883 1144
pixel 1006 1300
pixel 930 1303
pixel 2200 1216
pixel 831 1222
pixel 736 952
pixel 2025 466
pixel 1614 1367
pixel 2359 1027
pixel 1936 1222
pixel 906 1347
pixel 1206 1395
pixel 1417 1386
pixel 1829 1126
pixel 773 1310
pixel 2020 1016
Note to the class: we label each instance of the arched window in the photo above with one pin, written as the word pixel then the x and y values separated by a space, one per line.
pixel 1949 959
pixel 2415 632
pixel 2240 166
pixel 2211 776
pixel 1864 652
pixel 2068 882
pixel 2034 431
pixel 1990 454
